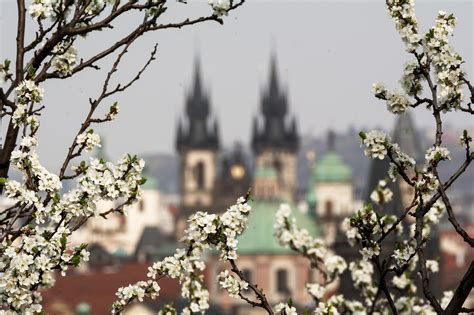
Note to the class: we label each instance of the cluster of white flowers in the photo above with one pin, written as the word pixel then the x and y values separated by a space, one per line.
pixel 411 79
pixel 433 216
pixel 288 234
pixel 29 263
pixel 404 282
pixel 64 59
pixel 376 143
pixel 397 102
pixel 95 6
pixel 432 266
pixel 41 9
pixel 435 154
pixel 447 63
pixel 220 7
pixel 381 194
pixel 403 14
pixel 205 231
pixel 426 182
pixel 28 92
pixel 43 246
pixel 25 159
pixel 139 291
pixel 233 285
pixel 285 309
pixel 364 219
pixel 88 139
pixel 361 272
pixel 370 250
pixel 316 290
pixel 403 254
pixel 103 181
pixel 447 296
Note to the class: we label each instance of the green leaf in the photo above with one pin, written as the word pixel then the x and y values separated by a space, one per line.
pixel 56 198
pixel 63 241
pixel 362 135
pixel 31 71
pixel 76 260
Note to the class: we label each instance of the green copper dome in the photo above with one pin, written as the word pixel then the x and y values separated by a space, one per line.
pixel 332 168
pixel 259 237
pixel 265 172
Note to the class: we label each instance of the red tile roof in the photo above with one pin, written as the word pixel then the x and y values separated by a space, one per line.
pixel 97 288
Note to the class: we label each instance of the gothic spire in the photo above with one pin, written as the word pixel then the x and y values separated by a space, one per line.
pixel 273 86
pixel 277 130
pixel 199 133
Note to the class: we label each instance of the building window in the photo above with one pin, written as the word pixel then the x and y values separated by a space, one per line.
pixel 199 175
pixel 328 208
pixel 282 282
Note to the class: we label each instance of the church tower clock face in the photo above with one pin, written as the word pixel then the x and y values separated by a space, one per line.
pixel 237 171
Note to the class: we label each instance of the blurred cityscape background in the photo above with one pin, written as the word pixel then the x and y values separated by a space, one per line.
pixel 273 101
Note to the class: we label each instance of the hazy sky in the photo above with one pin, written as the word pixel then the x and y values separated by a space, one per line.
pixel 329 53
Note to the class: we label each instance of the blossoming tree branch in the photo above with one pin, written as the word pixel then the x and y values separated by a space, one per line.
pixel 34 231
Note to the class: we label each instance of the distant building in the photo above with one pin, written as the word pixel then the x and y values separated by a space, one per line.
pixel 330 191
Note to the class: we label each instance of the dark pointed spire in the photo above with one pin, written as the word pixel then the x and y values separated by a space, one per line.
pixel 277 131
pixel 331 141
pixel 200 133
pixel 197 85
pixel 273 82
pixel 179 132
pixel 407 137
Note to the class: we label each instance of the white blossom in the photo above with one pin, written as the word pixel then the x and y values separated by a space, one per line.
pixel 220 7
pixel 316 290
pixel 88 139
pixel 230 283
pixel 64 58
pixel 27 91
pixel 432 266
pixel 285 309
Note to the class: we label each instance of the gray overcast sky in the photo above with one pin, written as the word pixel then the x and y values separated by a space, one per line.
pixel 329 54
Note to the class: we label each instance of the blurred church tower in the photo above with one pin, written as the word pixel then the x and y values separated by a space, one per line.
pixel 197 144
